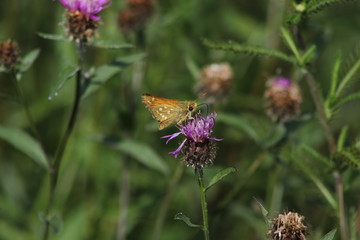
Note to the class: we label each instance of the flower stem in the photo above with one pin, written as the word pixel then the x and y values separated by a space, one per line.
pixel 124 199
pixel 205 226
pixel 55 166
pixel 316 96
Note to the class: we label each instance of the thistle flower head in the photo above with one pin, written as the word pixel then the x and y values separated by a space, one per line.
pixel 288 226
pixel 9 54
pixel 89 7
pixel 283 99
pixel 82 19
pixel 198 148
pixel 215 81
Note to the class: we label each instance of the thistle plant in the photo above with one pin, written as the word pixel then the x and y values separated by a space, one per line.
pixel 198 151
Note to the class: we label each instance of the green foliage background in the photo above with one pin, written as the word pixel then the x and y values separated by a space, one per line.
pixel 87 196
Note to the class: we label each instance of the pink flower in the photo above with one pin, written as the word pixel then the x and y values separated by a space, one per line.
pixel 89 7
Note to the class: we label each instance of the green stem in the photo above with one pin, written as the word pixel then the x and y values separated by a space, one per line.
pixel 342 215
pixel 55 166
pixel 205 226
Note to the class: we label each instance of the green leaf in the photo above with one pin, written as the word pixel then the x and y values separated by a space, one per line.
pixel 309 54
pixel 28 60
pixel 316 155
pixel 330 235
pixel 110 45
pixel 239 122
pixel 106 72
pixel 342 137
pixel 3 69
pixel 185 219
pixel 220 175
pixel 63 76
pixel 264 212
pixel 347 78
pixel 317 181
pixel 139 151
pixel 335 75
pixel 55 37
pixel 291 43
pixel 315 6
pixel 24 143
pixel 346 99
pixel 247 49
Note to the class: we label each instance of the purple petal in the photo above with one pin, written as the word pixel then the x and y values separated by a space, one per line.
pixel 171 136
pixel 216 139
pixel 177 151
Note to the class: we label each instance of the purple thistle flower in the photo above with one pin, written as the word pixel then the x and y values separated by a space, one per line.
pixel 197 148
pixel 89 7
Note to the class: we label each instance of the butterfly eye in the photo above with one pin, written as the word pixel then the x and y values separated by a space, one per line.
pixel 191 108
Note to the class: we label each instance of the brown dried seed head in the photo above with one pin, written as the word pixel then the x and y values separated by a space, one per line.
pixel 283 99
pixel 80 27
pixel 288 226
pixel 215 82
pixel 9 53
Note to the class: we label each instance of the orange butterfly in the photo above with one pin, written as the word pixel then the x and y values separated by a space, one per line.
pixel 167 111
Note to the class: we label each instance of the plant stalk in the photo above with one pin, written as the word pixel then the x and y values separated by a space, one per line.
pixel 205 226
pixel 55 166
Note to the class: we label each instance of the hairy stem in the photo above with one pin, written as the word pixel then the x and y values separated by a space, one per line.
pixel 205 226
pixel 316 96
pixel 55 166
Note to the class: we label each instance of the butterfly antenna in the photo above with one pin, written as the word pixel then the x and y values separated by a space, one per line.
pixel 207 108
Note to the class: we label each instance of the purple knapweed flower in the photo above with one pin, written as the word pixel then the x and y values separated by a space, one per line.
pixel 198 148
pixel 89 7
pixel 82 20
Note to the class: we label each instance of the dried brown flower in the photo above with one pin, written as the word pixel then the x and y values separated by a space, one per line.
pixel 288 226
pixel 9 53
pixel 283 99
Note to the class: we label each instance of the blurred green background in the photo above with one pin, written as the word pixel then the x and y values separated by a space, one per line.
pixel 88 192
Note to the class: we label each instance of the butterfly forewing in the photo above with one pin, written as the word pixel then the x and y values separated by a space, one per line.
pixel 166 111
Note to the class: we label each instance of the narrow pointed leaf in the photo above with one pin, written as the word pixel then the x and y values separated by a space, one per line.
pixel 309 54
pixel 316 155
pixel 347 99
pixel 318 5
pixel 319 184
pixel 330 235
pixel 342 138
pixel 264 212
pixel 240 123
pixel 347 78
pixel 55 37
pixel 28 60
pixel 110 45
pixel 291 43
pixel 248 49
pixel 63 76
pixel 185 219
pixel 335 75
pixel 24 143
pixel 275 136
pixel 106 72
pixel 140 152
pixel 220 175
